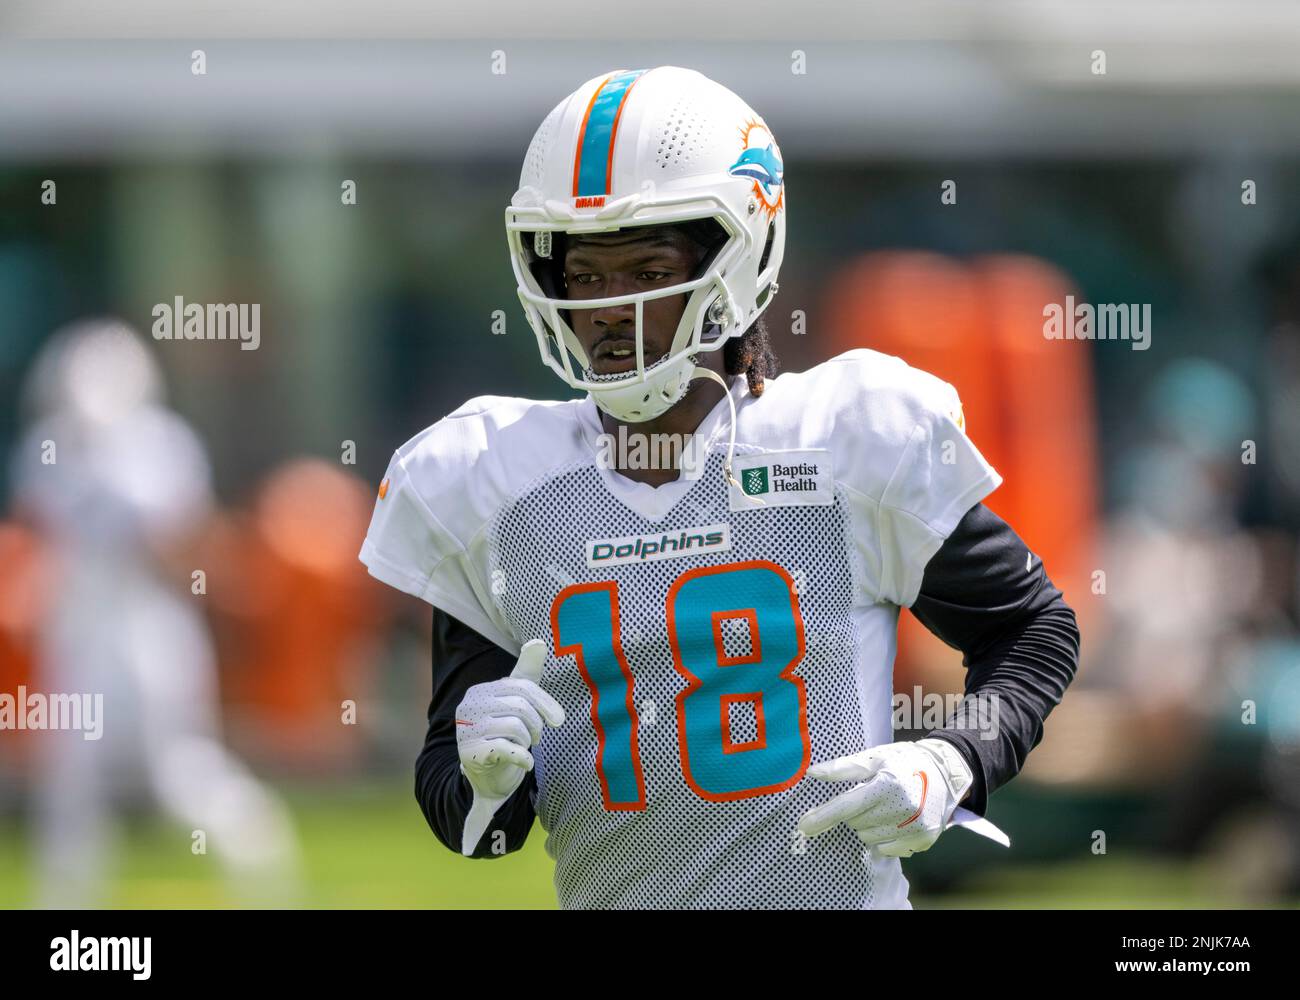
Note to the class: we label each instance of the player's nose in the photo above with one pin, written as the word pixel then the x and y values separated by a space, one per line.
pixel 614 318
pixel 611 317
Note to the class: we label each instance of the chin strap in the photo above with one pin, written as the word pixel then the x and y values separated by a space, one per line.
pixel 702 372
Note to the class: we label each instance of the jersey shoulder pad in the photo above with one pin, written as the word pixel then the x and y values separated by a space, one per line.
pixel 868 409
pixel 883 396
pixel 468 463
pixel 444 485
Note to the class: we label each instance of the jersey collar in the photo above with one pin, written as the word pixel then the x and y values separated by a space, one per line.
pixel 653 503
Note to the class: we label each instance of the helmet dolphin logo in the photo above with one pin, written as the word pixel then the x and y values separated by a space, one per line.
pixel 762 164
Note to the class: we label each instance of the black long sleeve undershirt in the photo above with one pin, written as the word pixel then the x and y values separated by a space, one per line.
pixel 982 593
pixel 461 659
pixel 987 595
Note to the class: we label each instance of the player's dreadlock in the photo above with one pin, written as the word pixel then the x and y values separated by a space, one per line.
pixel 751 355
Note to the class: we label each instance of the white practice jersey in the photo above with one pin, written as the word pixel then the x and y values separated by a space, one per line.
pixel 708 643
pixel 112 491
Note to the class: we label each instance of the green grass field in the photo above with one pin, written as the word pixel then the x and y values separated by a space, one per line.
pixel 362 846
pixel 369 847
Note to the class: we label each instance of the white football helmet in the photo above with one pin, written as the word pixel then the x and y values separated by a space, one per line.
pixel 647 148
pixel 96 370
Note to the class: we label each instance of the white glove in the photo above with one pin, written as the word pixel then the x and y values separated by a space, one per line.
pixel 906 796
pixel 496 723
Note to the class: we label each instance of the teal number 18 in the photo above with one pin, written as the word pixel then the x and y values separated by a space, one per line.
pixel 585 624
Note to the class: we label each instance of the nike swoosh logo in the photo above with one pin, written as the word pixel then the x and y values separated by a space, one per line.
pixel 925 790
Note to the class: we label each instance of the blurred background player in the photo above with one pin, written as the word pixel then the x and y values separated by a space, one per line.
pixel 117 484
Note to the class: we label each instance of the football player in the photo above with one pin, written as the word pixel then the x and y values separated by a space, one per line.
pixel 118 485
pixel 686 673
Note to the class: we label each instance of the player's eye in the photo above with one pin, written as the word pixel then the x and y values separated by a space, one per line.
pixel 587 278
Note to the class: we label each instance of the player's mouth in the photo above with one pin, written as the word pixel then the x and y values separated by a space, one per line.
pixel 615 356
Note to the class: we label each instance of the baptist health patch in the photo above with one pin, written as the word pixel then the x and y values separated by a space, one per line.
pixel 782 479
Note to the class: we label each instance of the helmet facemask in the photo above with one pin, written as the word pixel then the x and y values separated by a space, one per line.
pixel 655 384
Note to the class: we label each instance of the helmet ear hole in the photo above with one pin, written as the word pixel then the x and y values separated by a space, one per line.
pixel 767 249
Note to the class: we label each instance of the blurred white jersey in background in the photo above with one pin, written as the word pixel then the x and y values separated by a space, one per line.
pixel 112 479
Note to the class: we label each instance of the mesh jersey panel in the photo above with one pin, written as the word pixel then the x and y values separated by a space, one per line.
pixel 682 850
